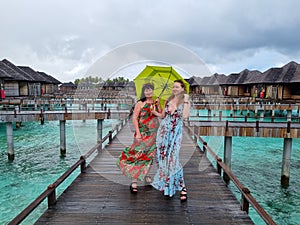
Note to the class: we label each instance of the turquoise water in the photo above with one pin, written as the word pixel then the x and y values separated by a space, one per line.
pixel 257 164
pixel 38 163
pixel 255 161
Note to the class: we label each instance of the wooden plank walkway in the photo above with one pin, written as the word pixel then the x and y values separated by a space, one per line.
pixel 101 195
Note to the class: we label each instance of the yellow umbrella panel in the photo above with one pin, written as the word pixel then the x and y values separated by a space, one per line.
pixel 162 77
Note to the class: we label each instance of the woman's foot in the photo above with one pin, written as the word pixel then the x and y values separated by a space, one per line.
pixel 183 195
pixel 133 188
pixel 148 180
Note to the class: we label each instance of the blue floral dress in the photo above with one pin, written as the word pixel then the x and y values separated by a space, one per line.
pixel 169 176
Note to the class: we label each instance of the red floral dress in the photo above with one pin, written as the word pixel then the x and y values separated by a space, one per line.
pixel 135 161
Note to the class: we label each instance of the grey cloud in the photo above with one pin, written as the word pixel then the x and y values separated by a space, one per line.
pixel 221 32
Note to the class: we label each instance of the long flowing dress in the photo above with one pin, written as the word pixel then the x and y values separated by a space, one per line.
pixel 135 161
pixel 169 176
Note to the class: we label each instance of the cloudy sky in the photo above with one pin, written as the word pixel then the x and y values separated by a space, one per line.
pixel 66 38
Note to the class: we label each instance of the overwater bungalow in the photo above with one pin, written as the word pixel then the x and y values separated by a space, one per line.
pixel 243 84
pixel 212 85
pixel 195 87
pixel 45 84
pixel 282 83
pixel 51 86
pixel 68 87
pixel 3 75
pixel 24 81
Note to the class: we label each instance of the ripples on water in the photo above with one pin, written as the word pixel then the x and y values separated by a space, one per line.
pixel 38 162
pixel 255 161
pixel 257 164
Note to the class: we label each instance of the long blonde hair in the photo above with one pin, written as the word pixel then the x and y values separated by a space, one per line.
pixel 181 95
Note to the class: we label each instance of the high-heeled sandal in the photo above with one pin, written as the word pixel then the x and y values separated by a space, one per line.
pixel 133 190
pixel 183 196
pixel 148 180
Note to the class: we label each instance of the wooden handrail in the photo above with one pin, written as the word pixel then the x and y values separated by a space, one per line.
pixel 246 196
pixel 50 191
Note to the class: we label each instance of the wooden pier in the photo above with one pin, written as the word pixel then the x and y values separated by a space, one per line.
pixel 101 194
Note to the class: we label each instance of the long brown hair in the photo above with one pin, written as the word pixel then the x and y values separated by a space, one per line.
pixel 181 95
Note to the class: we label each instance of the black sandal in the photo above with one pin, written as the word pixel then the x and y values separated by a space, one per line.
pixel 133 190
pixel 183 195
pixel 148 180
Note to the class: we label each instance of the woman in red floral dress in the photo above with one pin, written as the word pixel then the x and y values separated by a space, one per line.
pixel 135 161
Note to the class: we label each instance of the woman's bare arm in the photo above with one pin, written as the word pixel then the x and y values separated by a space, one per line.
pixel 135 119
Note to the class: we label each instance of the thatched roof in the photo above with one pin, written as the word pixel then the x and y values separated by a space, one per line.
pixel 51 79
pixel 15 71
pixel 290 73
pixel 252 77
pixel 244 77
pixel 4 74
pixel 14 75
pixel 9 71
pixel 37 77
pixel 221 78
pixel 69 84
pixel 195 81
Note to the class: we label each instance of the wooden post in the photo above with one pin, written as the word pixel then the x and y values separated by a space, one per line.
pixel 227 156
pixel 262 112
pixel 273 115
pixel 62 126
pixel 82 165
pixel 219 168
pixel 18 124
pixel 286 159
pixel 51 196
pixel 244 202
pixel 255 111
pixel 204 148
pixel 289 115
pixel 110 136
pixel 108 114
pixel 99 132
pixel 10 141
pixel 234 114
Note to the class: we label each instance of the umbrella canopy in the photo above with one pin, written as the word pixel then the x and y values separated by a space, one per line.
pixel 162 77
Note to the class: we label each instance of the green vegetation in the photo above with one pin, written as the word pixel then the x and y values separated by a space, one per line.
pixel 96 80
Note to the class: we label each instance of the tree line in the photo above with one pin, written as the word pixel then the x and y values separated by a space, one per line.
pixel 96 80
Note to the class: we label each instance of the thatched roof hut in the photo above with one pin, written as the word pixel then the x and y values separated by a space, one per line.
pixel 290 73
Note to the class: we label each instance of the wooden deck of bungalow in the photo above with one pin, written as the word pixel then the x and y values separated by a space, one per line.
pixel 101 194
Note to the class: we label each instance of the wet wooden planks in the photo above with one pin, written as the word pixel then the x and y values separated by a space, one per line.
pixel 101 195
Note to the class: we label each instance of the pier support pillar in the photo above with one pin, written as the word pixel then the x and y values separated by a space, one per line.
pixel 18 124
pixel 10 141
pixel 262 115
pixel 289 115
pixel 99 132
pixel 286 160
pixel 62 129
pixel 227 156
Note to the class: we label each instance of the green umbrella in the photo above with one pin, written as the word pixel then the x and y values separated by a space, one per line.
pixel 162 77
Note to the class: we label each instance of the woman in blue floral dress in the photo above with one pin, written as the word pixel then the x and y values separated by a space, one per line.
pixel 169 176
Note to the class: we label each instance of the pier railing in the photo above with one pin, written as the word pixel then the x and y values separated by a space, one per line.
pixel 50 192
pixel 246 197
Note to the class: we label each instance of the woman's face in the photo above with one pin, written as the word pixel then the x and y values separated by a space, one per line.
pixel 148 93
pixel 177 88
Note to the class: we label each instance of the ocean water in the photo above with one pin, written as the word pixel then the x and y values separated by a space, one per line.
pixel 38 162
pixel 255 161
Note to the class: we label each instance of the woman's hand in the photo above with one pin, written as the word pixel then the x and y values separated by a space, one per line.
pixel 138 136
pixel 186 97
